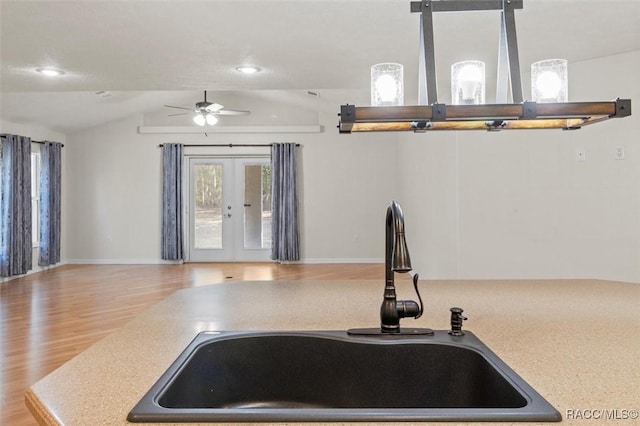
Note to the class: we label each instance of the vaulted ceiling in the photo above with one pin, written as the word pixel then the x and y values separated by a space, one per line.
pixel 149 52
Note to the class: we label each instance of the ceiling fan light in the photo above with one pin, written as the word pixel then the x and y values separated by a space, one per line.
pixel 199 119
pixel 211 119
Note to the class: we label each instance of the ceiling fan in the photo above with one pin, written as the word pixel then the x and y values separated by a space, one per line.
pixel 207 112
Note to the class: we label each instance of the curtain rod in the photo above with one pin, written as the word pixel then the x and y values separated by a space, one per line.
pixel 40 142
pixel 228 145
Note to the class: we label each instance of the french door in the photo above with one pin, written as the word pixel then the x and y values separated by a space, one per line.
pixel 229 209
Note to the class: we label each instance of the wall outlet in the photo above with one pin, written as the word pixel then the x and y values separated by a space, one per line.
pixel 619 155
pixel 581 154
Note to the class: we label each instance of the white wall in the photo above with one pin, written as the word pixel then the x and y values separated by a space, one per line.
pixel 348 182
pixel 519 205
pixel 39 133
pixel 114 200
pixel 477 205
pixel 115 183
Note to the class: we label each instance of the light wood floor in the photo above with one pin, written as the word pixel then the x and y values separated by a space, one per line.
pixel 49 317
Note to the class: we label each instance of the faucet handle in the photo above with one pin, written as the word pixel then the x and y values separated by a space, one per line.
pixel 410 308
pixel 415 286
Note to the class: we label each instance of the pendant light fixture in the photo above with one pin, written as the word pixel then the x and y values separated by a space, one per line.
pixel 548 108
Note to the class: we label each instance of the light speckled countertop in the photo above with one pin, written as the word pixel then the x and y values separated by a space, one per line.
pixel 577 342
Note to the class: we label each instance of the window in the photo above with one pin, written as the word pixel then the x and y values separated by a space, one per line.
pixel 35 198
pixel 257 191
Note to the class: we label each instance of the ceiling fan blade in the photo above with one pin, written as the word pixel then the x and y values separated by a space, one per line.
pixel 171 106
pixel 232 112
pixel 214 107
pixel 181 113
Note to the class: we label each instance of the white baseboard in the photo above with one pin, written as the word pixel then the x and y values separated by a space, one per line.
pixel 35 270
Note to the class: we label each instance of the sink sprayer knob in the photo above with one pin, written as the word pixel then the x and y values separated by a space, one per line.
pixel 456 321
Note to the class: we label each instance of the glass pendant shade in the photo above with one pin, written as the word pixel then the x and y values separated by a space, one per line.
pixel 550 81
pixel 211 119
pixel 467 83
pixel 199 119
pixel 387 85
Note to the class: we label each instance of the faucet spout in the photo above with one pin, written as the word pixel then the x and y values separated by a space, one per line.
pixel 396 251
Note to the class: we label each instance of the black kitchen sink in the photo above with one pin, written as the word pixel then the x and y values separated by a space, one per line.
pixel 331 376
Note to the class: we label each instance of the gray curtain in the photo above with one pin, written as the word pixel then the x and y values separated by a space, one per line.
pixel 50 192
pixel 15 205
pixel 284 223
pixel 172 233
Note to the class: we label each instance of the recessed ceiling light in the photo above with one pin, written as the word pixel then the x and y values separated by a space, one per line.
pixel 248 69
pixel 50 72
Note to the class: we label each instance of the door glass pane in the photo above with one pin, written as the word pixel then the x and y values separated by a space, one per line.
pixel 208 206
pixel 257 206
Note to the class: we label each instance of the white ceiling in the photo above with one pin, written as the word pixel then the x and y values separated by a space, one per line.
pixel 148 53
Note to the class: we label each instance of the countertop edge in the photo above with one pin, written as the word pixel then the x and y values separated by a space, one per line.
pixel 38 410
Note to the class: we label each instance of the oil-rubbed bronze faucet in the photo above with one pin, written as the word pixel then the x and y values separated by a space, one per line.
pixel 396 259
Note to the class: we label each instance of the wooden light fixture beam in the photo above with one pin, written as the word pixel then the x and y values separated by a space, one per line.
pixel 526 115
